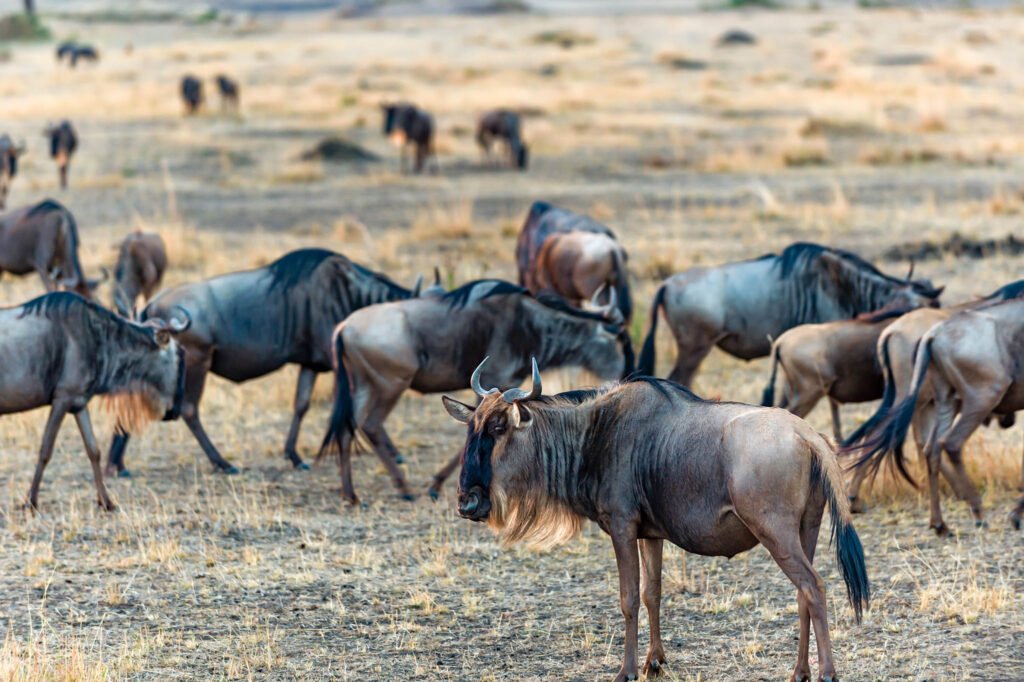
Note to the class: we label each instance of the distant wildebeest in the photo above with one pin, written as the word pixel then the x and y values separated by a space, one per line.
pixel 43 238
pixel 84 53
pixel 407 125
pixel 649 461
pixel 63 143
pixel 571 254
pixel 503 125
pixel 972 363
pixel 64 49
pixel 192 93
pixel 740 307
pixel 248 324
pixel 61 350
pixel 141 262
pixel 229 95
pixel 9 153
pixel 432 345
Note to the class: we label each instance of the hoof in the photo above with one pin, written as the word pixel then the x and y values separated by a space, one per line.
pixel 623 677
pixel 124 473
pixel 942 530
pixel 408 497
pixel 230 470
pixel 434 494
pixel 980 523
pixel 108 507
pixel 1015 520
pixel 653 667
pixel 399 459
pixel 301 466
pixel 353 501
pixel 857 505
pixel 802 677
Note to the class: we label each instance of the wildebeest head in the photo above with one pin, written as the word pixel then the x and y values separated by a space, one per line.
pixel 167 375
pixel 608 353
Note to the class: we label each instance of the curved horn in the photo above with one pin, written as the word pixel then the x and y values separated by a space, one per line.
pixel 517 394
pixel 178 326
pixel 595 299
pixel 609 307
pixel 474 381
pixel 416 287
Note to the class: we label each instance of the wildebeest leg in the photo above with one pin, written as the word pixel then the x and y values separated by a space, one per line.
pixel 421 157
pixel 195 380
pixel 809 527
pixel 401 158
pixel 115 458
pixel 945 411
pixel 650 593
pixel 93 451
pixel 973 411
pixel 57 412
pixel 303 393
pixel 688 359
pixel 837 423
pixel 1018 513
pixel 385 397
pixel 627 558
pixel 441 476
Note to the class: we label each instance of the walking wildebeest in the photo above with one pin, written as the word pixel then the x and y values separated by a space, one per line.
pixel 248 324
pixel 740 307
pixel 406 125
pixel 9 153
pixel 571 254
pixel 43 238
pixel 63 142
pixel 61 350
pixel 649 461
pixel 192 93
pixel 432 345
pixel 503 125
pixel 83 52
pixel 141 261
pixel 229 94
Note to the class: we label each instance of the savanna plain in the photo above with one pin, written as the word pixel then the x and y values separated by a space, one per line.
pixel 861 128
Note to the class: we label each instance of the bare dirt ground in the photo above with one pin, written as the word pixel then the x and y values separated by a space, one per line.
pixel 863 129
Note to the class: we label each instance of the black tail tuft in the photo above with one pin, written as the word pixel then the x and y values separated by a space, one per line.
pixel 888 397
pixel 768 397
pixel 342 419
pixel 645 366
pixel 849 551
pixel 622 292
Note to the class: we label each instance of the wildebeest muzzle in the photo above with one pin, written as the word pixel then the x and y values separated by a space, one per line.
pixel 475 504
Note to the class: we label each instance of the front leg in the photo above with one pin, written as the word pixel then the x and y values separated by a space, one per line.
pixel 650 592
pixel 303 394
pixel 624 540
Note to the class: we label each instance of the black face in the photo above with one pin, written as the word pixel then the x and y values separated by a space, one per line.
pixel 179 389
pixel 390 113
pixel 475 478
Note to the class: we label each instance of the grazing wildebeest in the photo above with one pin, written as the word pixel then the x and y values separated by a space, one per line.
pixel 503 125
pixel 229 95
pixel 649 461
pixel 9 153
pixel 65 49
pixel 43 238
pixel 248 324
pixel 141 261
pixel 407 125
pixel 83 52
pixel 740 307
pixel 192 93
pixel 61 350
pixel 571 254
pixel 433 344
pixel 971 362
pixel 63 142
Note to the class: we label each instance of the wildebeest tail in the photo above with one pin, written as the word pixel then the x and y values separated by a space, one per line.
pixel 342 418
pixel 888 396
pixel 768 397
pixel 622 292
pixel 647 354
pixel 825 472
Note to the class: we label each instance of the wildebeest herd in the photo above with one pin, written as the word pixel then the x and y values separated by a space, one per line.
pixel 643 457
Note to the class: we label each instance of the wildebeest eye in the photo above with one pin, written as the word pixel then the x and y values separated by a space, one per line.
pixel 498 428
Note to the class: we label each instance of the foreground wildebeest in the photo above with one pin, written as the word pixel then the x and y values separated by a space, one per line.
pixel 503 125
pixel 191 93
pixel 571 254
pixel 61 350
pixel 432 345
pixel 648 461
pixel 63 142
pixel 43 238
pixel 972 363
pixel 141 261
pixel 740 307
pixel 407 125
pixel 248 324
pixel 9 153
pixel 228 89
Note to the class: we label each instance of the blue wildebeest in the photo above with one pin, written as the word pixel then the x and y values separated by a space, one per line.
pixel 141 262
pixel 191 93
pixel 405 124
pixel 432 345
pixel 63 143
pixel 971 363
pixel 740 307
pixel 9 153
pixel 43 238
pixel 649 461
pixel 229 95
pixel 571 254
pixel 503 125
pixel 61 350
pixel 248 324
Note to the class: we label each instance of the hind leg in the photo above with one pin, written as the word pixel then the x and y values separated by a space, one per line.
pixel 195 381
pixel 688 359
pixel 650 594
pixel 371 421
pixel 441 476
pixel 837 422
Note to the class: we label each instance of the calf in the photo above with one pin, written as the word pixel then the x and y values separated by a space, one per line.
pixel 141 261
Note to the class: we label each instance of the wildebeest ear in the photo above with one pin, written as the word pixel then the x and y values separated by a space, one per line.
pixel 521 417
pixel 460 412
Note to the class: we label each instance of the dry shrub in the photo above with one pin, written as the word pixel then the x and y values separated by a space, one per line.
pixel 885 155
pixel 440 221
pixel 805 153
pixel 30 662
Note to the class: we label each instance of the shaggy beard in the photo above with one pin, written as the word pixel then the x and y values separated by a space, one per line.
pixel 532 517
pixel 134 408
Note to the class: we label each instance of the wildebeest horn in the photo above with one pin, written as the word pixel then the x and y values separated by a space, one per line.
pixel 516 394
pixel 910 274
pixel 177 326
pixel 437 276
pixel 416 287
pixel 474 381
pixel 610 306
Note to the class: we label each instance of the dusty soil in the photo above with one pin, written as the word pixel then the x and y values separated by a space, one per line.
pixel 863 129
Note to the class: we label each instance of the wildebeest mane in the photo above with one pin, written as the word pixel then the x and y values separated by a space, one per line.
pixel 60 306
pixel 801 254
pixel 467 293
pixel 396 290
pixel 1007 292
pixel 296 266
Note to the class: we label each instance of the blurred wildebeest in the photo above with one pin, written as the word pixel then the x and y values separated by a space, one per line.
pixel 192 93
pixel 405 125
pixel 65 49
pixel 229 95
pixel 9 153
pixel 248 324
pixel 43 238
pixel 432 345
pixel 740 307
pixel 63 143
pixel 83 52
pixel 648 461
pixel 972 363
pixel 141 261
pixel 571 254
pixel 61 350
pixel 503 125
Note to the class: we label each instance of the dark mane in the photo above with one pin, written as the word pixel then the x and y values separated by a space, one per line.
pixel 667 388
pixel 460 298
pixel 886 313
pixel 396 290
pixel 1007 292
pixel 799 254
pixel 45 206
pixel 63 305
pixel 295 266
